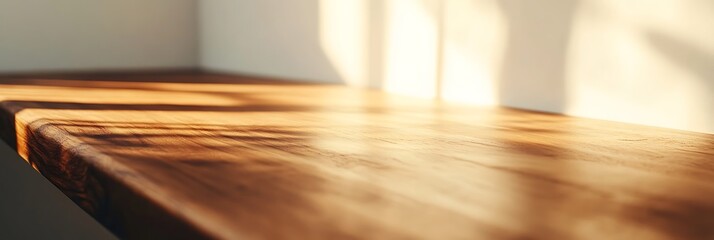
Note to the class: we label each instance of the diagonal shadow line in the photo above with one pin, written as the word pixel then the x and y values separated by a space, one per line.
pixel 695 59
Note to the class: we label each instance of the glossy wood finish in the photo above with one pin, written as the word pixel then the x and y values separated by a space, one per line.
pixel 216 156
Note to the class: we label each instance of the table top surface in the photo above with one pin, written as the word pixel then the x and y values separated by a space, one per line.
pixel 217 156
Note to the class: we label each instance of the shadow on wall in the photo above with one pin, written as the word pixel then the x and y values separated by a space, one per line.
pixel 352 36
pixel 533 70
pixel 586 58
pixel 270 37
pixel 695 60
pixel 376 46
pixel 395 38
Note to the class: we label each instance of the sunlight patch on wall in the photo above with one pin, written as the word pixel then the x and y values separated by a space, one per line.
pixel 407 51
pixel 475 34
pixel 645 64
pixel 411 47
pixel 343 37
pixel 624 61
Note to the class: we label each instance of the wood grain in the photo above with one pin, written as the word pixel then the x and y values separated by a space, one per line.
pixel 191 155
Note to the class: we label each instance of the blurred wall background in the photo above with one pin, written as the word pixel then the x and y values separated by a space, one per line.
pixel 277 38
pixel 644 62
pixel 89 35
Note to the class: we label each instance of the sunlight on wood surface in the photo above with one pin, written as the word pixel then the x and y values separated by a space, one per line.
pixel 263 159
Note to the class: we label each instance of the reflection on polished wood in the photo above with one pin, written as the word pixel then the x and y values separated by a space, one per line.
pixel 215 156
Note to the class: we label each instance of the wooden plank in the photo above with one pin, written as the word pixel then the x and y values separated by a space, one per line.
pixel 213 156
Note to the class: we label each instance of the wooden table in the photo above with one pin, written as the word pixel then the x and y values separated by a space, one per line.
pixel 190 155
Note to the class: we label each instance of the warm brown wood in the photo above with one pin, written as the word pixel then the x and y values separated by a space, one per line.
pixel 201 155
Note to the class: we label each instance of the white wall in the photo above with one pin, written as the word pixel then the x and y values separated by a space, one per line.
pixel 645 62
pixel 51 35
pixel 650 63
pixel 268 37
